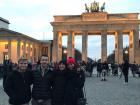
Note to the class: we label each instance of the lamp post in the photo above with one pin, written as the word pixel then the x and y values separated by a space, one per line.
pixel 65 53
pixel 126 54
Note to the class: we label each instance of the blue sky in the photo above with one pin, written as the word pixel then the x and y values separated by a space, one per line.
pixel 33 17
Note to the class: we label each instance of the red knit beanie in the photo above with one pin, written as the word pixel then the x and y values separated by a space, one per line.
pixel 70 60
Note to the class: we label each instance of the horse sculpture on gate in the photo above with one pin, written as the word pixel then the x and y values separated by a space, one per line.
pixel 102 7
pixel 94 7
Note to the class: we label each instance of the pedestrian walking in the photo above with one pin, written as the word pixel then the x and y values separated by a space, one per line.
pixel 104 71
pixel 125 71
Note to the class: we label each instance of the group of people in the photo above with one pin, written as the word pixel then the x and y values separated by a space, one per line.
pixel 62 85
pixel 53 83
pixel 104 69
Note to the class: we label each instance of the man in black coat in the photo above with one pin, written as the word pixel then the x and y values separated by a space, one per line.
pixel 42 83
pixel 18 85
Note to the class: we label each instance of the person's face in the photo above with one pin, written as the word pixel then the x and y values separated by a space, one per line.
pixel 44 61
pixel 71 66
pixel 62 66
pixel 23 65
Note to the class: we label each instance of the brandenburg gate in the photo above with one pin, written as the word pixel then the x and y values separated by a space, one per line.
pixel 97 23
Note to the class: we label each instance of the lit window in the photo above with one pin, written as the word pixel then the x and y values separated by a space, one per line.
pixel 6 46
pixel 22 47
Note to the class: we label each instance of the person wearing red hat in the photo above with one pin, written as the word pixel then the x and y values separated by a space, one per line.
pixel 74 84
pixel 71 60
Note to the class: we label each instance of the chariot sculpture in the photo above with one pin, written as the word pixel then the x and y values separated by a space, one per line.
pixel 94 7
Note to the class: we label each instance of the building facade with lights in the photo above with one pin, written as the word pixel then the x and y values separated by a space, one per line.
pixel 15 45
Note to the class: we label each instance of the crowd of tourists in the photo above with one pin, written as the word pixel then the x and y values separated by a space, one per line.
pixel 105 69
pixel 61 83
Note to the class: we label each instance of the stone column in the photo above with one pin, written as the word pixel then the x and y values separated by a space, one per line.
pixel 136 44
pixel 133 46
pixel 29 49
pixel 33 53
pixel 40 49
pixel 59 47
pixel 18 50
pixel 104 46
pixel 119 47
pixel 24 49
pixel 9 48
pixel 36 47
pixel 54 53
pixel 70 48
pixel 84 46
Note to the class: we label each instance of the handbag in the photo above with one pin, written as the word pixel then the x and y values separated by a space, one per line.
pixel 82 101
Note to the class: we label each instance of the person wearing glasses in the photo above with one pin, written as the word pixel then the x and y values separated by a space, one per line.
pixel 18 84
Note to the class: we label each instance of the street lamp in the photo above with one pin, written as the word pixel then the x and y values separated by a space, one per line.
pixel 126 52
pixel 65 54
pixel 65 51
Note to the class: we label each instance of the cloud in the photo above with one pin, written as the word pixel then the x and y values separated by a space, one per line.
pixel 1 3
pixel 33 17
pixel 28 2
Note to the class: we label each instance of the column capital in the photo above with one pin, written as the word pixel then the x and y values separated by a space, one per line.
pixel 103 32
pixel 18 39
pixel 85 31
pixel 119 31
pixel 56 31
pixel 70 31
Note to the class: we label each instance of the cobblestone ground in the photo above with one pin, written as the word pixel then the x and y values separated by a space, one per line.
pixel 110 92
pixel 113 91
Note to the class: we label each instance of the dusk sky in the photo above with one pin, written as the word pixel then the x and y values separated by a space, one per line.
pixel 33 17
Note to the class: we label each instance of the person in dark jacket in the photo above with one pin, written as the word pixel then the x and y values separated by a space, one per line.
pixel 99 69
pixel 7 69
pixel 104 71
pixel 125 71
pixel 42 83
pixel 18 85
pixel 74 85
pixel 89 68
pixel 59 83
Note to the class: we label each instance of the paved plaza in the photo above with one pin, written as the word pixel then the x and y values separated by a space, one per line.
pixel 110 92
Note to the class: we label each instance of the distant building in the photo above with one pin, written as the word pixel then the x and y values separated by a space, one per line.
pixel 4 23
pixel 15 45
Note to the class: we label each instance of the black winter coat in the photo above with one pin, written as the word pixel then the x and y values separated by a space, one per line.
pixel 59 83
pixel 74 86
pixel 42 85
pixel 17 87
pixel 125 68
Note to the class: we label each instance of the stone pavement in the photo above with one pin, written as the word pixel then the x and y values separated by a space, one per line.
pixel 110 92
pixel 113 91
